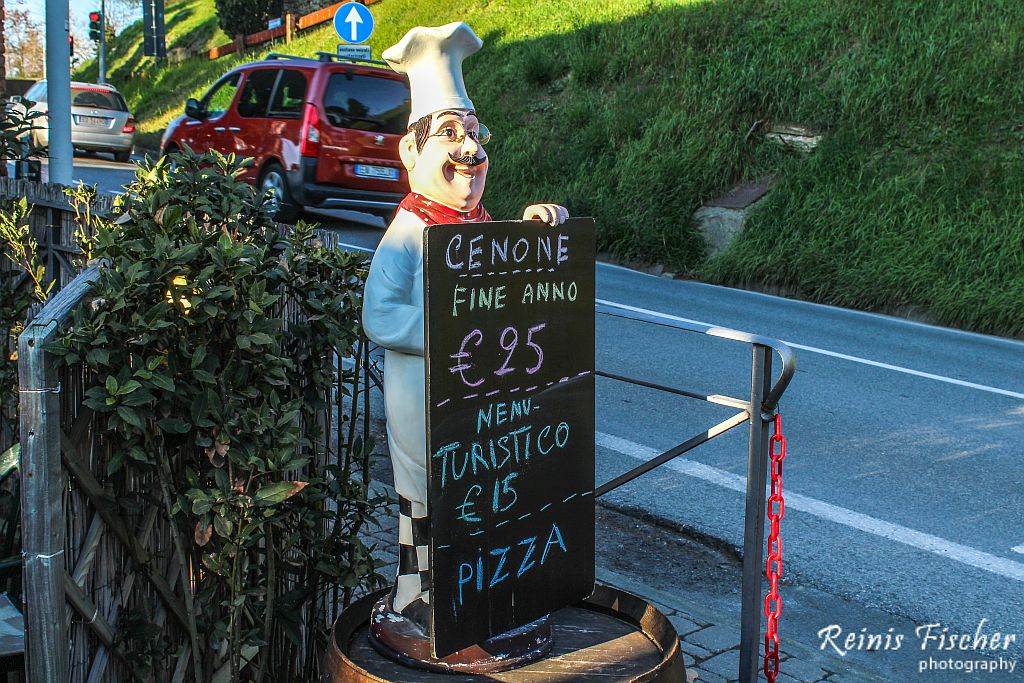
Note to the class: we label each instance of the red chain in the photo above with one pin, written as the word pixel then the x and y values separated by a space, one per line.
pixel 776 510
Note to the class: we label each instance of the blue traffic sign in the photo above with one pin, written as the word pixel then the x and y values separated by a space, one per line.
pixel 353 22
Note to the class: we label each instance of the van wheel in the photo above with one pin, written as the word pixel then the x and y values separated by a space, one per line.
pixel 123 156
pixel 273 182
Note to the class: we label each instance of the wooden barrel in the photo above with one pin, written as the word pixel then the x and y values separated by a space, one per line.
pixel 611 636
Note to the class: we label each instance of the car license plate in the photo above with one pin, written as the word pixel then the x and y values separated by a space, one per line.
pixel 93 121
pixel 382 172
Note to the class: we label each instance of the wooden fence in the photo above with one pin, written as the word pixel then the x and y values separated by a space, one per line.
pixel 97 555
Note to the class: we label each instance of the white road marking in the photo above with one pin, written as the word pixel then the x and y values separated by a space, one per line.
pixel 1019 549
pixel 834 354
pixel 355 246
pixel 978 336
pixel 832 513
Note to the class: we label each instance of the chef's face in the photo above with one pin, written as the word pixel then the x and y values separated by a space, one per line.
pixel 451 168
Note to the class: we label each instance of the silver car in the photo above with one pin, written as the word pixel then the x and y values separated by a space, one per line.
pixel 100 120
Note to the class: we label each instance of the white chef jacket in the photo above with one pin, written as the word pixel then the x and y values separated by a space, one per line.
pixel 393 318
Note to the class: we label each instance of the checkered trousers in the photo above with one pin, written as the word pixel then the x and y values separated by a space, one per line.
pixel 411 594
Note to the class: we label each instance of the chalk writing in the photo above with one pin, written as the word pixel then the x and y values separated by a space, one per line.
pixel 509 337
pixel 490 566
pixel 499 452
pixel 508 340
pixel 544 248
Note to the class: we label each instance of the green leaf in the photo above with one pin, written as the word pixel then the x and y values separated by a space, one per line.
pixel 9 460
pixel 137 453
pixel 174 425
pixel 111 385
pixel 222 526
pixel 272 494
pixel 163 381
pixel 261 338
pixel 130 416
pixel 138 398
pixel 198 355
pixel 204 376
pixel 97 357
pixel 116 463
pixel 128 387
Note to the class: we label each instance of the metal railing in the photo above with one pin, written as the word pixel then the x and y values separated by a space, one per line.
pixel 759 410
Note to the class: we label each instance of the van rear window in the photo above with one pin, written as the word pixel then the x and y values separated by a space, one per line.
pixel 370 103
pixel 97 99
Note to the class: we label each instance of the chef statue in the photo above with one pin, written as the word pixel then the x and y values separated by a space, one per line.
pixel 443 152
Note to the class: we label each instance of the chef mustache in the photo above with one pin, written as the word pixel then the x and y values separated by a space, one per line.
pixel 467 159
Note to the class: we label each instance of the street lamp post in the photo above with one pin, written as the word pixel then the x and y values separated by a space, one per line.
pixel 58 90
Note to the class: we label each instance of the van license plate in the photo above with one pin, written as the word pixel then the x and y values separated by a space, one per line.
pixel 93 121
pixel 383 172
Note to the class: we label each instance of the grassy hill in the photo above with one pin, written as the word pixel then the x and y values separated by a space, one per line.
pixel 636 111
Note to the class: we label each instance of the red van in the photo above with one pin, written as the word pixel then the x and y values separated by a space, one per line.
pixel 322 132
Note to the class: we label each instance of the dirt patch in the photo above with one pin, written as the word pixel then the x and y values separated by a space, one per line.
pixel 673 560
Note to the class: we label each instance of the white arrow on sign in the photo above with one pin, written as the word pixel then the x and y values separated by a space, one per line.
pixel 353 19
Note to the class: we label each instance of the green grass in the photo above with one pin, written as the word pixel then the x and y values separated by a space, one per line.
pixel 156 95
pixel 635 111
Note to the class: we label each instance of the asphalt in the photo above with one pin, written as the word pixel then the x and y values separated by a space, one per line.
pixel 909 487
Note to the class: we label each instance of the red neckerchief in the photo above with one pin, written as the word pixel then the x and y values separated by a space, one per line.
pixel 433 213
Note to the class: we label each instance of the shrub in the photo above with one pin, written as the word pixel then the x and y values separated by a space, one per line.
pixel 213 340
pixel 246 16
pixel 24 282
pixel 20 287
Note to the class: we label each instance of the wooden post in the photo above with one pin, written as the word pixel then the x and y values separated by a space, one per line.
pixel 42 485
pixel 289 27
pixel 239 43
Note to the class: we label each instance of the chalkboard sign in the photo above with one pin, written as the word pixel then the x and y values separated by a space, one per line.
pixel 509 346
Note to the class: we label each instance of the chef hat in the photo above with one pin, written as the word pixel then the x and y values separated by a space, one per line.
pixel 432 57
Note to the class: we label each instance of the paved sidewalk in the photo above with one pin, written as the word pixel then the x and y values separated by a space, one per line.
pixel 710 642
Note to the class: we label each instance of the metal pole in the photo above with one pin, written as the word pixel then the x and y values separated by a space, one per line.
pixel 156 52
pixel 42 521
pixel 102 57
pixel 753 528
pixel 58 91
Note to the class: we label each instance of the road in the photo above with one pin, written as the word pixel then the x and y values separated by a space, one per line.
pixel 904 480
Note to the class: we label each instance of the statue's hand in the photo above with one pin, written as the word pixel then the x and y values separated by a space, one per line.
pixel 552 214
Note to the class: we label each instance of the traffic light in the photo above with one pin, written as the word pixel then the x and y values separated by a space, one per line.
pixel 71 44
pixel 95 26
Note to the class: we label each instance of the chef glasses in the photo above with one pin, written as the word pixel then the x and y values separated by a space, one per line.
pixel 454 131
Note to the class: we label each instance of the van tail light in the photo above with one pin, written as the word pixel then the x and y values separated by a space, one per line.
pixel 310 132
pixel 129 126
